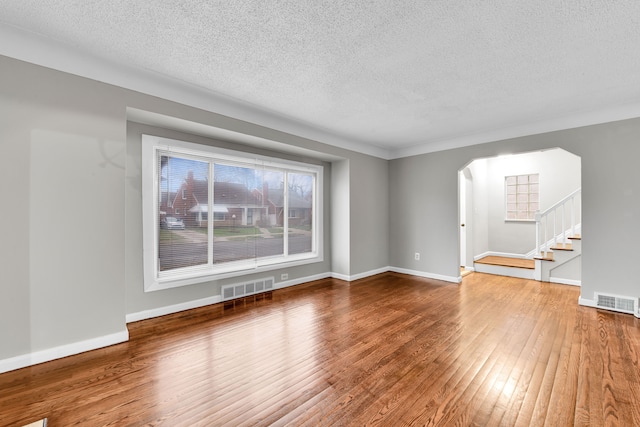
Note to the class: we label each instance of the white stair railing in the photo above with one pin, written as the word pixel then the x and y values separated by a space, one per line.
pixel 566 211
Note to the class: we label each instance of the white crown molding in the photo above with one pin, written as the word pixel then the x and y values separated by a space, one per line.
pixel 572 121
pixel 33 48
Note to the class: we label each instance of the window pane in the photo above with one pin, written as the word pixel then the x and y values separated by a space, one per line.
pixel 270 192
pixel 522 198
pixel 300 213
pixel 182 237
pixel 236 203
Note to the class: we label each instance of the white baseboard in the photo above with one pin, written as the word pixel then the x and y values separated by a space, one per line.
pixel 360 275
pixel 174 308
pixel 301 280
pixel 59 352
pixel 452 279
pixel 502 254
pixel 339 276
pixel 565 281
pixel 592 303
pixel 587 302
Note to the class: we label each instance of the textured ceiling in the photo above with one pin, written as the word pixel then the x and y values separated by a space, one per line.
pixel 395 74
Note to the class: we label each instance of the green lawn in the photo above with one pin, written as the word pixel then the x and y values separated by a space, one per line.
pixel 229 231
pixel 168 235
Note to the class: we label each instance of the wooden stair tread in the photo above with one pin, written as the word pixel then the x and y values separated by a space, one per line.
pixel 508 262
pixel 576 237
pixel 562 247
pixel 544 256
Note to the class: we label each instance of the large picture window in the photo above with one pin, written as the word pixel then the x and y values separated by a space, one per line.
pixel 251 197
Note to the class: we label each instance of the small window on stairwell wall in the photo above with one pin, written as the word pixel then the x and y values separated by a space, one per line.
pixel 522 197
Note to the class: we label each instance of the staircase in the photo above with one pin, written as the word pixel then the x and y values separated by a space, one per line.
pixel 558 255
pixel 558 243
pixel 562 222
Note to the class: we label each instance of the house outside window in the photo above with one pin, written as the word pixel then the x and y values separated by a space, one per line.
pixel 522 196
pixel 248 195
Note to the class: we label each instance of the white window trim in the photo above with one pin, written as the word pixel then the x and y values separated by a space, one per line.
pixel 153 280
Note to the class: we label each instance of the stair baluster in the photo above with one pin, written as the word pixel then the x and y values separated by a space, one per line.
pixel 543 243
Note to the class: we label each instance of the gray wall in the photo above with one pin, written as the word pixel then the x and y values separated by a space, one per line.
pixel 423 212
pixel 423 205
pixel 62 154
pixel 340 235
pixel 571 270
pixel 70 179
pixel 369 201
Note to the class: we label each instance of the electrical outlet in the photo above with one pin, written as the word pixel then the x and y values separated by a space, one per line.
pixel 417 256
pixel 284 276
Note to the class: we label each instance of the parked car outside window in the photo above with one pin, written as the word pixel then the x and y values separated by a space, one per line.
pixel 172 223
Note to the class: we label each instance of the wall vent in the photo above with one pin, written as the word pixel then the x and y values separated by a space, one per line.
pixel 616 303
pixel 239 290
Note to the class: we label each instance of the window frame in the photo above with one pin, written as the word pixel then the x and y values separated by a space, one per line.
pixel 154 279
pixel 506 196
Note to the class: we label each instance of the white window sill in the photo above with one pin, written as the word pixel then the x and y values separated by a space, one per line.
pixel 200 276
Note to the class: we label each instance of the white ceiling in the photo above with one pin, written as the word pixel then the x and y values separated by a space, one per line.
pixel 390 78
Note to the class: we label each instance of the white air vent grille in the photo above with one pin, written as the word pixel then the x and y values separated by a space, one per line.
pixel 248 288
pixel 616 303
pixel 227 293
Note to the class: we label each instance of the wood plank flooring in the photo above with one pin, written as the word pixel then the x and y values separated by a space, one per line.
pixel 389 350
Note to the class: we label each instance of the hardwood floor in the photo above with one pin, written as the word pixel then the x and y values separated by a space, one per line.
pixel 390 350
